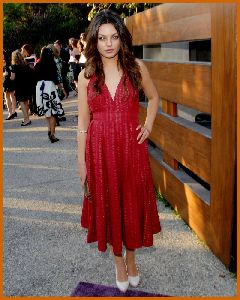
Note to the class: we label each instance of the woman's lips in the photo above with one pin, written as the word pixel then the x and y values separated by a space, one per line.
pixel 109 50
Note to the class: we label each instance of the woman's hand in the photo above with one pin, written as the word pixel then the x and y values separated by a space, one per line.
pixel 143 134
pixel 82 173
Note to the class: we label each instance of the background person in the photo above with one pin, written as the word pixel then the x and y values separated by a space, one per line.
pixel 22 76
pixel 8 88
pixel 65 56
pixel 74 59
pixel 48 102
pixel 58 61
pixel 83 43
pixel 30 59
pixel 61 90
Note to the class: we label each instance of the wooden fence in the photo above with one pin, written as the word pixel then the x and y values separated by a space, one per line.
pixel 209 88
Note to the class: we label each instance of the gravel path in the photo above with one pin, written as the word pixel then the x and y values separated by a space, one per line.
pixel 45 253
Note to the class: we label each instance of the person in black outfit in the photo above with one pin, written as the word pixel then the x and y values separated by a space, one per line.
pixel 30 59
pixel 8 88
pixel 47 99
pixel 65 56
pixel 22 75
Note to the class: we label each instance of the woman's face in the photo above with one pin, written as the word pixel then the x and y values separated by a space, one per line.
pixel 108 43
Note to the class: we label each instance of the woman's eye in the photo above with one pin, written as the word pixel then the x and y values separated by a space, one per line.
pixel 101 38
pixel 115 37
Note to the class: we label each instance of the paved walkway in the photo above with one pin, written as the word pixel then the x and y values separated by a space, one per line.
pixel 45 253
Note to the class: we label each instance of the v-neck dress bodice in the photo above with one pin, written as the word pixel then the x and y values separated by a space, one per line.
pixel 123 209
pixel 125 98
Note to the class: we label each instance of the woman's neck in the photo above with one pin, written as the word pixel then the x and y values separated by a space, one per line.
pixel 110 62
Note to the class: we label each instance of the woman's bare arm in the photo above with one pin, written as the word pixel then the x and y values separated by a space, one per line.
pixel 83 122
pixel 152 95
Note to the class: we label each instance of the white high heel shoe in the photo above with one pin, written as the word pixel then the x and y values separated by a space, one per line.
pixel 122 285
pixel 134 280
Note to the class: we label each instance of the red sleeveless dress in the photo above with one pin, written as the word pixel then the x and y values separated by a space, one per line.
pixel 122 207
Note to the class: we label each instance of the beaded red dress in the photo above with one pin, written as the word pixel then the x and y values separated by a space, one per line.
pixel 122 207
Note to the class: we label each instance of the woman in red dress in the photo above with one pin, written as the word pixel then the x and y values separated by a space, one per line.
pixel 112 146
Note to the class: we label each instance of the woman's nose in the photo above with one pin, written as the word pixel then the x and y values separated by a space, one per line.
pixel 109 42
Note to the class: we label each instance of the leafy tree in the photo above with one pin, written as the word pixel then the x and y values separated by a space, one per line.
pixel 39 24
pixel 124 9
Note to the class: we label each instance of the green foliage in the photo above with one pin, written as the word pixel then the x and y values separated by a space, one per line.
pixel 161 198
pixel 123 9
pixel 39 24
pixel 166 204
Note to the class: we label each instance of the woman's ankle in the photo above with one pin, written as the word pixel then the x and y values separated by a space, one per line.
pixel 130 257
pixel 131 266
pixel 121 271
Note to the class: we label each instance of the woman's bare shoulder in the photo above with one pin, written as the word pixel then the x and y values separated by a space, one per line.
pixel 141 64
pixel 82 79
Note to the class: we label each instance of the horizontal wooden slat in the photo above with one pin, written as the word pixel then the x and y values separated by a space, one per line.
pixel 170 109
pixel 184 83
pixel 187 145
pixel 171 23
pixel 176 189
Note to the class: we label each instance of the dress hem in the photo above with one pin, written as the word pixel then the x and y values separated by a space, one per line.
pixel 104 249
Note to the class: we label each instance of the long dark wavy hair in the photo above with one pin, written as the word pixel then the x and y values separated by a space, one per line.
pixel 126 58
pixel 47 56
